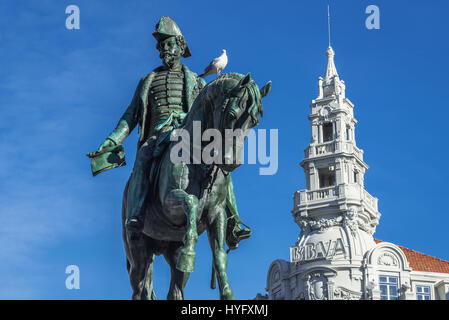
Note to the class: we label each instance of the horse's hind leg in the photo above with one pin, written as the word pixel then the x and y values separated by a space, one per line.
pixel 178 278
pixel 216 233
pixel 189 203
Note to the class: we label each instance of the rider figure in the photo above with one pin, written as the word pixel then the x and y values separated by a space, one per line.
pixel 160 102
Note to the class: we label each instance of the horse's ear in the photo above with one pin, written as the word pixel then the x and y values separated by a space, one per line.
pixel 245 80
pixel 265 89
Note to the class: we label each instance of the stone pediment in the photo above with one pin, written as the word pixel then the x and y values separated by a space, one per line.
pixel 387 256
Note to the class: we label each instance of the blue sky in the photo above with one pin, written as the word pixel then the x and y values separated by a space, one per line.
pixel 62 92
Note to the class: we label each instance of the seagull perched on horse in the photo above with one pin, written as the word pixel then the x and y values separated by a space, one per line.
pixel 216 65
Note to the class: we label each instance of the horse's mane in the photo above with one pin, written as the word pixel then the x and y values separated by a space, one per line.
pixel 223 84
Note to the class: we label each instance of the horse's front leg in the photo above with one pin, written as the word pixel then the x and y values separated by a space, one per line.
pixel 216 233
pixel 189 203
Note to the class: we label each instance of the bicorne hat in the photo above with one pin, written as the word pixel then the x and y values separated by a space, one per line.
pixel 167 27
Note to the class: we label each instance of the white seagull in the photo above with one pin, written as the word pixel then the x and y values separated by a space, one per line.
pixel 216 65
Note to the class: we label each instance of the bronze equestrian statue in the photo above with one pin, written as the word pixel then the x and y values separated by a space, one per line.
pixel 165 204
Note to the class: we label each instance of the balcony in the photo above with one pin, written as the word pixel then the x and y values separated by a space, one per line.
pixel 306 196
pixel 369 199
pixel 345 192
pixel 351 148
pixel 325 148
pixel 322 149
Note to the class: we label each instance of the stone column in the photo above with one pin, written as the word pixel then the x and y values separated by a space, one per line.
pixel 320 138
pixel 334 130
pixel 313 176
pixel 314 133
pixel 339 179
pixel 362 178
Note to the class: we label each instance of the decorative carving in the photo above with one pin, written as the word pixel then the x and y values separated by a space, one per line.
pixel 368 227
pixel 303 225
pixel 316 287
pixel 275 275
pixel 387 259
pixel 369 287
pixel 324 223
pixel 341 293
pixel 404 288
pixel 308 224
pixel 350 221
pixel 325 112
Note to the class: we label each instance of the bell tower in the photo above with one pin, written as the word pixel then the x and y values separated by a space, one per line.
pixel 332 157
pixel 335 256
pixel 335 213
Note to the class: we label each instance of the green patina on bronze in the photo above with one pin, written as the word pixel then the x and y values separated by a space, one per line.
pixel 167 205
pixel 108 158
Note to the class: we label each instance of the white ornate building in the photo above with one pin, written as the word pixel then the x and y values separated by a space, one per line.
pixel 336 256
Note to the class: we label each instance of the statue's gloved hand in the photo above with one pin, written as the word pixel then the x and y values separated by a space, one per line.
pixel 106 143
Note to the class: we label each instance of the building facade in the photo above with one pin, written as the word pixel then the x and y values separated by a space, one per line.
pixel 336 256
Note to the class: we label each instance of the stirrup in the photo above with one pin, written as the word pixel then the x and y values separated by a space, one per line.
pixel 243 234
pixel 237 235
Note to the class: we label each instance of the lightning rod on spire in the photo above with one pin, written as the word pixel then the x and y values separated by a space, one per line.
pixel 329 25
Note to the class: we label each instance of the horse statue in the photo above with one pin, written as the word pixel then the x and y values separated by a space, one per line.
pixel 188 198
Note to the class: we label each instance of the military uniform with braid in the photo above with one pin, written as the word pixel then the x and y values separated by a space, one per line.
pixel 160 103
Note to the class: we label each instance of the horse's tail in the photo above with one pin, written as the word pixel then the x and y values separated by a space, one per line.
pixel 124 236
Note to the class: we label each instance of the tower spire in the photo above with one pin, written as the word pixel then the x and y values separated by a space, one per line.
pixel 330 85
pixel 331 71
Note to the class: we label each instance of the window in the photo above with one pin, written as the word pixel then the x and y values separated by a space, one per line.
pixel 326 176
pixel 422 292
pixel 328 131
pixel 348 133
pixel 388 288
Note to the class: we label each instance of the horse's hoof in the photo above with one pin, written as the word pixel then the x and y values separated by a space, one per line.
pixel 186 261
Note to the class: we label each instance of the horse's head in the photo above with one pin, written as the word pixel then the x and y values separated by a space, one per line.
pixel 236 110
